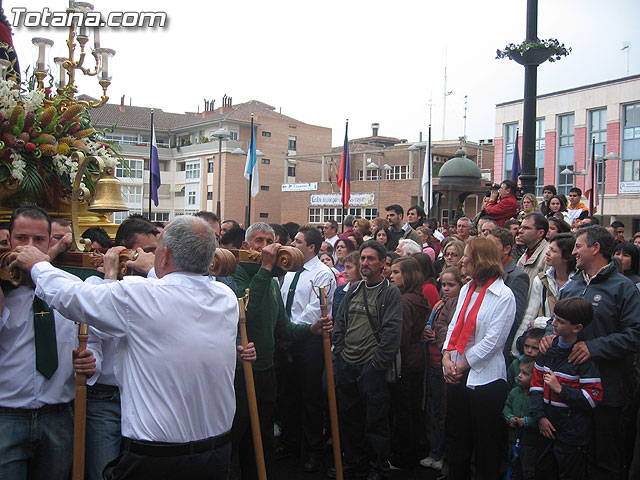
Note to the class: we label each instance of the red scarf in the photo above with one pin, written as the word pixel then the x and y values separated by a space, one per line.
pixel 466 325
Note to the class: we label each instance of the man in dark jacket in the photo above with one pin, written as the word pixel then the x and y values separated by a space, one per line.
pixel 515 278
pixel 610 340
pixel 364 351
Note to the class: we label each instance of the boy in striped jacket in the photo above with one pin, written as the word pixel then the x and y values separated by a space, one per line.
pixel 563 395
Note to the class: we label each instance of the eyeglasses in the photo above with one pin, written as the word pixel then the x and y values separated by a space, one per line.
pixel 451 254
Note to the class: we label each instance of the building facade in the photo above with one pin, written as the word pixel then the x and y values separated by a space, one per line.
pixel 384 171
pixel 567 121
pixel 190 164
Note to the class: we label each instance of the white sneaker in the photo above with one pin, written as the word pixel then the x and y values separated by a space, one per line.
pixel 427 462
pixel 437 465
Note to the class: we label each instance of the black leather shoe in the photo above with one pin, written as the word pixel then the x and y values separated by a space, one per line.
pixel 313 464
pixel 281 452
pixel 376 476
pixel 347 472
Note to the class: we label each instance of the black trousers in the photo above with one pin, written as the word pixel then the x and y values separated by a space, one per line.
pixel 407 419
pixel 474 424
pixel 363 409
pixel 561 461
pixel 606 463
pixel 265 384
pixel 300 403
pixel 211 465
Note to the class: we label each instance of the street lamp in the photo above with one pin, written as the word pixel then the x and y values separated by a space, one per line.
pixel 568 171
pixel 221 134
pixel 379 168
pixel 608 156
pixel 419 147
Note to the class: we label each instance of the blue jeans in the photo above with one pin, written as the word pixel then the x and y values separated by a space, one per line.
pixel 103 429
pixel 36 444
pixel 436 431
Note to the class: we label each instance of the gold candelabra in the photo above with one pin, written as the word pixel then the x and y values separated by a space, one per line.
pixel 67 66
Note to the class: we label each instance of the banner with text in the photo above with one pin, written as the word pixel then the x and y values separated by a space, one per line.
pixel 334 200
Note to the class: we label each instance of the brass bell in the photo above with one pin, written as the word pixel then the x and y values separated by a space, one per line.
pixel 108 196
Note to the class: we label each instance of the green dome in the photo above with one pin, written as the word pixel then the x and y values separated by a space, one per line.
pixel 460 166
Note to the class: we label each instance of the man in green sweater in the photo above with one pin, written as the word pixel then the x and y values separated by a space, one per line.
pixel 266 321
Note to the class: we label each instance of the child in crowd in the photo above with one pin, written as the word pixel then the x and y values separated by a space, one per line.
pixel 435 334
pixel 521 426
pixel 531 344
pixel 563 395
pixel 350 275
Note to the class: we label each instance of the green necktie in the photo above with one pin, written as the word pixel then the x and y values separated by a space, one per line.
pixel 44 329
pixel 292 290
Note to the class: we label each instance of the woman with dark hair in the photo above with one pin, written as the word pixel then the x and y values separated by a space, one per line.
pixel 429 288
pixel 383 235
pixel 546 287
pixel 558 208
pixel 628 256
pixel 386 271
pixel 407 426
pixel 343 247
pixel 557 225
pixel 474 366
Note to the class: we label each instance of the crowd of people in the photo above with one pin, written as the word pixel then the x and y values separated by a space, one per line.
pixel 504 344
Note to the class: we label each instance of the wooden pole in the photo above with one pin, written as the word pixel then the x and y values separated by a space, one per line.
pixel 251 396
pixel 331 387
pixel 80 410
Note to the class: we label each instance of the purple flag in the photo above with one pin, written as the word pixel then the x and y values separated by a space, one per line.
pixel 154 167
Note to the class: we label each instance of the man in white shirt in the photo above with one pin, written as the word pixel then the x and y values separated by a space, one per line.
pixel 36 373
pixel 330 232
pixel 301 400
pixel 103 432
pixel 176 355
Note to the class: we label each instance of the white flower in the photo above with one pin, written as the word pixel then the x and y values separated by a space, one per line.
pixel 33 100
pixel 17 166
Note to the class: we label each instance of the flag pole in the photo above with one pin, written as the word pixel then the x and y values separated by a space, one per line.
pixel 247 209
pixel 344 181
pixel 150 156
pixel 593 176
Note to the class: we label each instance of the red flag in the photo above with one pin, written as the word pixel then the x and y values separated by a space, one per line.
pixel 344 176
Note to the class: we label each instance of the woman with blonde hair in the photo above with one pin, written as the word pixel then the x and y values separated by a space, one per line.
pixel 363 226
pixel 528 204
pixel 474 366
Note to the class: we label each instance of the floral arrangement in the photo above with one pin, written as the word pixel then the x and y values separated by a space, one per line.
pixel 558 50
pixel 38 135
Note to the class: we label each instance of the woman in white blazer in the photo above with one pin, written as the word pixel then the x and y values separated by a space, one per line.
pixel 474 366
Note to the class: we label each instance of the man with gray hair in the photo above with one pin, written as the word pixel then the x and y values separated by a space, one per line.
pixel 407 247
pixel 266 322
pixel 176 355
pixel 463 228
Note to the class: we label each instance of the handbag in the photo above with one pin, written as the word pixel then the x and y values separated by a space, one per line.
pixel 393 371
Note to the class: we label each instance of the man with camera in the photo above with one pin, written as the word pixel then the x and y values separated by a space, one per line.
pixel 501 204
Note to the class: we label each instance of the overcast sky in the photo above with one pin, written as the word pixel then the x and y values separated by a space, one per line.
pixel 368 61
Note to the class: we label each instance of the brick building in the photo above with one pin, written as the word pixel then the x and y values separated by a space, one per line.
pixel 189 163
pixel 394 161
pixel 567 120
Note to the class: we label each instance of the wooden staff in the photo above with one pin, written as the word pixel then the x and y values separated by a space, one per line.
pixel 331 387
pixel 80 410
pixel 251 392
